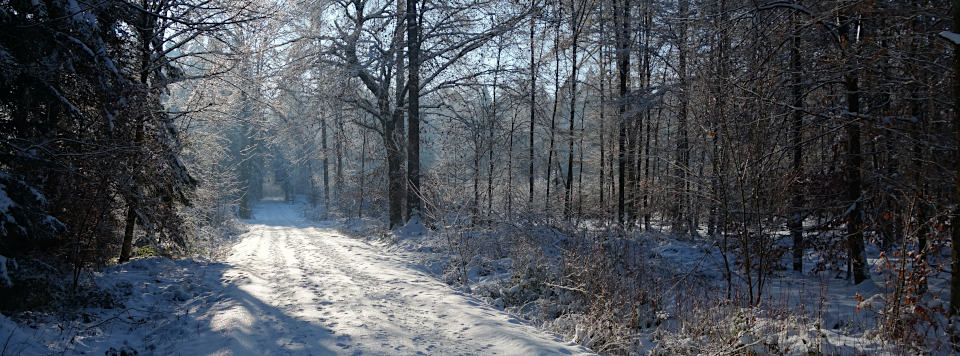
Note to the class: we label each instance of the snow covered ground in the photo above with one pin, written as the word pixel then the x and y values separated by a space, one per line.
pixel 813 312
pixel 292 286
pixel 288 287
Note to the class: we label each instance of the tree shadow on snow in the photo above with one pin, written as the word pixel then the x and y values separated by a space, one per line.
pixel 231 321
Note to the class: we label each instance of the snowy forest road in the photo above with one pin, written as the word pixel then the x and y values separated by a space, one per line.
pixel 301 288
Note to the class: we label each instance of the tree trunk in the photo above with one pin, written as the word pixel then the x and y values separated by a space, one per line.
pixel 603 106
pixel 630 190
pixel 583 109
pixel 490 129
pixel 533 116
pixel 475 211
pixel 854 161
pixel 622 13
pixel 796 216
pixel 390 117
pixel 573 110
pixel 413 110
pixel 363 163
pixel 647 180
pixel 553 118
pixel 146 37
pixel 853 157
pixel 338 171
pixel 714 224
pixel 680 224
pixel 955 237
pixel 127 245
pixel 326 166
pixel 643 149
pixel 395 174
pixel 509 193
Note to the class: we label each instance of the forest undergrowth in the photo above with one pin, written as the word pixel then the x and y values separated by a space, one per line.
pixel 630 292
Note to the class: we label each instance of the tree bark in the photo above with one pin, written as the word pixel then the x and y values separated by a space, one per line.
pixel 413 110
pixel 475 210
pixel 643 149
pixel 509 193
pixel 680 224
pixel 491 128
pixel 575 24
pixel 853 156
pixel 326 165
pixel 553 118
pixel 955 237
pixel 338 171
pixel 395 174
pixel 796 216
pixel 391 118
pixel 647 179
pixel 146 34
pixel 533 116
pixel 603 106
pixel 363 163
pixel 622 13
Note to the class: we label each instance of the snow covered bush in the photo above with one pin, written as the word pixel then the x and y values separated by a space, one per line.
pixel 614 290
pixel 5 280
pixel 727 329
pixel 23 213
pixel 908 314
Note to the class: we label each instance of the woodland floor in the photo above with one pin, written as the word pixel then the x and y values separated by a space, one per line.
pixel 288 286
pixel 293 286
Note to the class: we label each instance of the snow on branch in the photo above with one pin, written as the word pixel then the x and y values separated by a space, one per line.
pixel 784 4
pixel 951 36
pixel 4 276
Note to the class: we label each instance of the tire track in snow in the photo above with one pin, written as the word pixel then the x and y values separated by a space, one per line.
pixel 343 296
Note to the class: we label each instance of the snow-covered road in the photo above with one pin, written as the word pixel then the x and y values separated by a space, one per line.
pixel 298 288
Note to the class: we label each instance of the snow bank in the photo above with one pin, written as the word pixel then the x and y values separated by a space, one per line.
pixel 517 267
pixel 413 228
pixel 19 340
pixel 287 287
pixel 155 305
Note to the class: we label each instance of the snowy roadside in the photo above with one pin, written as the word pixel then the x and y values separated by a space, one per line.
pixel 157 301
pixel 287 287
pixel 816 311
